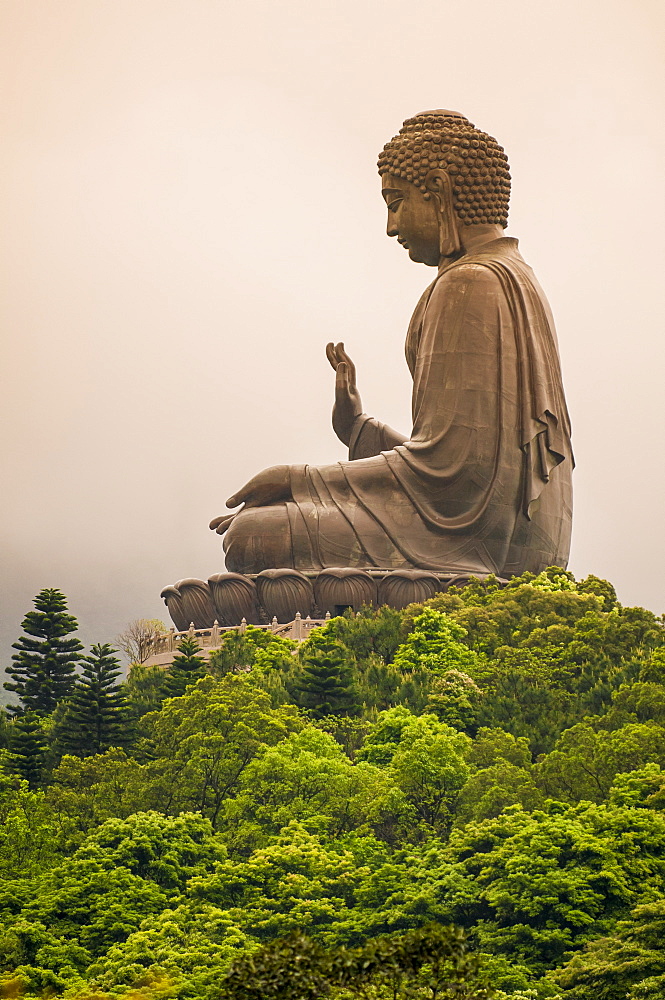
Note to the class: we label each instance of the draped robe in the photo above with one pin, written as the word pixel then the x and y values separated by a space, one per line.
pixel 483 483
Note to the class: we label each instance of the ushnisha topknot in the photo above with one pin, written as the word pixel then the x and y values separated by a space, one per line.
pixel 474 161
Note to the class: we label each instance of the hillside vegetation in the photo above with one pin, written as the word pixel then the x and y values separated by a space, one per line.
pixel 493 760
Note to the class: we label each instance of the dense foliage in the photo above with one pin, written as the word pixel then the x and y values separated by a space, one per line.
pixel 311 822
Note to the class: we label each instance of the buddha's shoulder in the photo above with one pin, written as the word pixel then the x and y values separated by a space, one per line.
pixel 468 273
pixel 484 264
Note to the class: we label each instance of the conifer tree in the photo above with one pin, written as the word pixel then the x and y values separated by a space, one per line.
pixel 5 729
pixel 144 689
pixel 97 716
pixel 185 669
pixel 44 666
pixel 28 748
pixel 326 685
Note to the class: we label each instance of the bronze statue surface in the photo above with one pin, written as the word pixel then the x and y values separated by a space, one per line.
pixel 482 484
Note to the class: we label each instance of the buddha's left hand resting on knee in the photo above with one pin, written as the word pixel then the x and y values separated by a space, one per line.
pixel 271 486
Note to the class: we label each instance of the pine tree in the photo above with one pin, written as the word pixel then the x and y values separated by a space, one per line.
pixel 326 685
pixel 185 669
pixel 28 748
pixel 97 716
pixel 5 729
pixel 43 674
pixel 145 689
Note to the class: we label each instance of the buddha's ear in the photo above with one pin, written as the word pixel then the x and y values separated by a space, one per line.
pixel 439 187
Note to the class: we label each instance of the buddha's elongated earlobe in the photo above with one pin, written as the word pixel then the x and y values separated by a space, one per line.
pixel 438 186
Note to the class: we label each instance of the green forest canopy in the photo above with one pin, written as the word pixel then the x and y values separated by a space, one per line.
pixel 492 760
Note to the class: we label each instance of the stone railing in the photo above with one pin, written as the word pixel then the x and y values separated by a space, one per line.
pixel 166 646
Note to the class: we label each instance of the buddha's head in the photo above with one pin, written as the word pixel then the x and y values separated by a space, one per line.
pixel 439 175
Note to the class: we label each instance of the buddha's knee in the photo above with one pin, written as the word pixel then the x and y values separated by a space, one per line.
pixel 259 538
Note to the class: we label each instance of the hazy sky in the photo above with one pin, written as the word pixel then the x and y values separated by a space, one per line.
pixel 191 210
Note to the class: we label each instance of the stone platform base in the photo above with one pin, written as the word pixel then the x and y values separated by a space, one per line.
pixel 230 598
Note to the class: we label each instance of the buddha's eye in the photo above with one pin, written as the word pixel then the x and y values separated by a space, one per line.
pixel 394 205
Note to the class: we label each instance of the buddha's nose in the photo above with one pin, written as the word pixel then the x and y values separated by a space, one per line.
pixel 391 228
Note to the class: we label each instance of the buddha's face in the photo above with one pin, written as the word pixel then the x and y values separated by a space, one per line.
pixel 413 218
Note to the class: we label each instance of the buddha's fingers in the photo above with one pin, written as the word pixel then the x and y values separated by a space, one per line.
pixel 331 354
pixel 342 380
pixel 220 524
pixel 343 356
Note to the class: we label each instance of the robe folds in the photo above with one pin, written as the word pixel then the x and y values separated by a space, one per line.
pixel 482 484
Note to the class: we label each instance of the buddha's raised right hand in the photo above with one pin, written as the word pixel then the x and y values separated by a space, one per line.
pixel 348 404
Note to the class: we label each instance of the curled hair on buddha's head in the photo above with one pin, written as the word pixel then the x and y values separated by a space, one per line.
pixel 475 163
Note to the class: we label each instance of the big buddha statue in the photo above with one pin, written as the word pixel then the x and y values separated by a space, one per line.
pixel 482 483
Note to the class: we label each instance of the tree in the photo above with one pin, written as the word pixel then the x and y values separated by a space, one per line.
pixel 305 777
pixel 33 838
pixel 429 767
pixel 642 788
pixel 298 882
pixel 492 746
pixel 144 688
pixel 96 717
pixel 138 639
pixel 86 791
pixel 193 756
pixel 123 873
pixel 636 702
pixel 504 777
pixel 45 663
pixel 489 791
pixel 436 643
pixel 538 886
pixel 290 968
pixel 602 589
pixel 584 762
pixel 5 730
pixel 526 692
pixel 200 744
pixel 185 669
pixel 28 748
pixel 627 965
pixel 455 697
pixel 428 963
pixel 425 760
pixel 187 948
pixel 386 734
pixel 326 684
pixel 381 685
pixel 253 648
pixel 369 631
pixel 578 625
